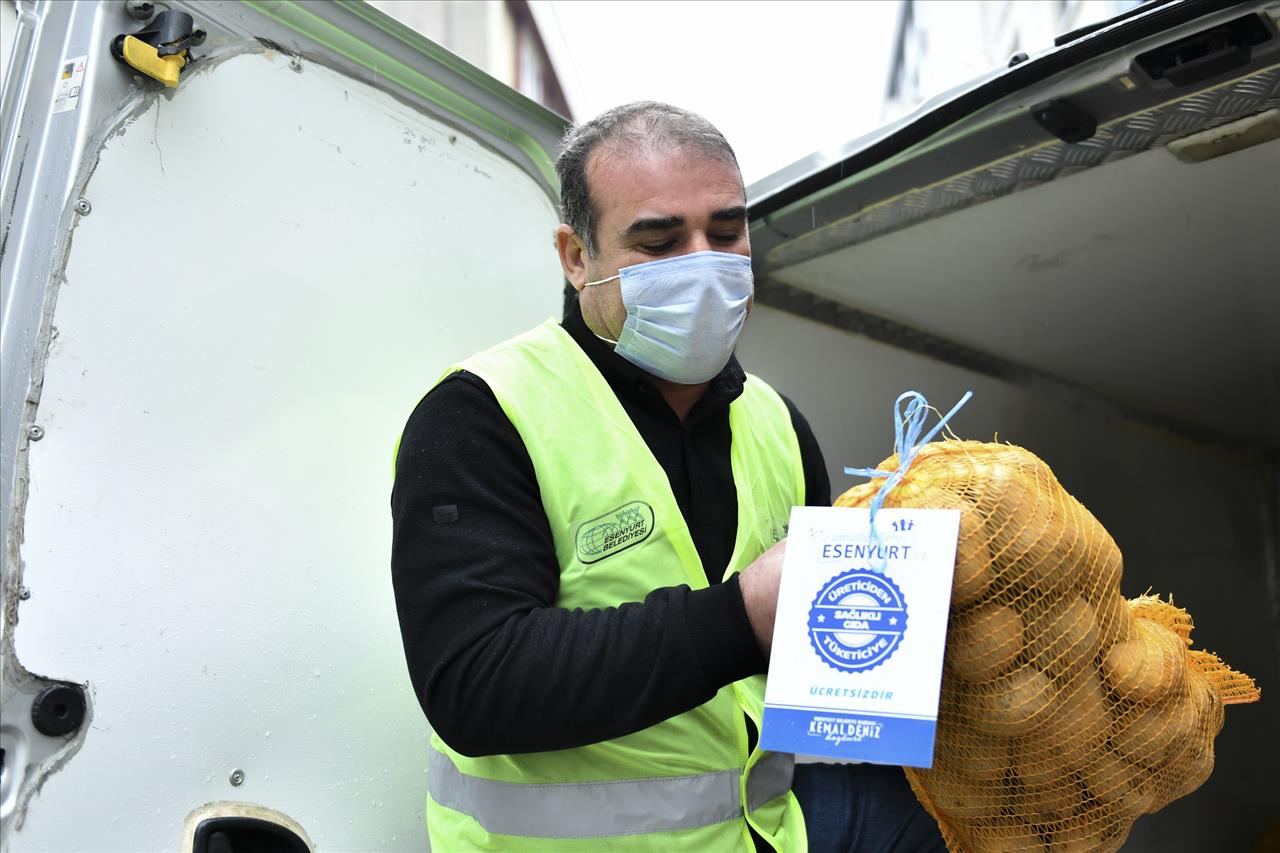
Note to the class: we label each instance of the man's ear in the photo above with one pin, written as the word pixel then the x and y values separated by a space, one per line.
pixel 573 256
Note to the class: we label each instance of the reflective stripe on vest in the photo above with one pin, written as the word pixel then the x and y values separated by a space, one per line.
pixel 596 809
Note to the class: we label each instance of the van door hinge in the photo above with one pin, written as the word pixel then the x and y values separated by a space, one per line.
pixel 160 49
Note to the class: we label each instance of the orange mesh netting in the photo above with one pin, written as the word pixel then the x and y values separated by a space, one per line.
pixel 1066 711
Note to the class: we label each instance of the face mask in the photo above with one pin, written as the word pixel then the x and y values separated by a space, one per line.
pixel 683 314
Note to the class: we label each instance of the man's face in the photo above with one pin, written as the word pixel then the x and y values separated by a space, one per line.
pixel 650 205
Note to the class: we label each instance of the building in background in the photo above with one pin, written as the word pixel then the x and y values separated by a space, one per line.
pixel 498 36
pixel 940 44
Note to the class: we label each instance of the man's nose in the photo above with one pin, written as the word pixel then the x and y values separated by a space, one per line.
pixel 699 242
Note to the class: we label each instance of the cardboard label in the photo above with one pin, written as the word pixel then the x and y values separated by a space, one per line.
pixel 856 665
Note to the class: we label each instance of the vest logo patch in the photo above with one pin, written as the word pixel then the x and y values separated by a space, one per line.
pixel 777 533
pixel 616 530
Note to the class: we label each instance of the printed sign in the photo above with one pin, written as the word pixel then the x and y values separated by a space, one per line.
pixel 66 90
pixel 856 665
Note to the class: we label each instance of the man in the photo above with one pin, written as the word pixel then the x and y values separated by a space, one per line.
pixel 589 525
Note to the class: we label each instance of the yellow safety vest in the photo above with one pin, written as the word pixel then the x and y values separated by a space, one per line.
pixel 688 782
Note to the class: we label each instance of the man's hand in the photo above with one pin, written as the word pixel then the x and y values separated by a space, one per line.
pixel 759 584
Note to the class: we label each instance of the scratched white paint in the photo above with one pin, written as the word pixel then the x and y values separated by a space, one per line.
pixel 277 266
pixel 8 28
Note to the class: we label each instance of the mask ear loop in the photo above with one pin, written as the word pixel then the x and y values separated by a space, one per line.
pixel 616 277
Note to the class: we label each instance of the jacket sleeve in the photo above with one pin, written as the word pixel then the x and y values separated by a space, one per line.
pixel 497 667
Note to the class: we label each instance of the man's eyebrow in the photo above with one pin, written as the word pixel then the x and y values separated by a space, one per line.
pixel 653 223
pixel 663 223
pixel 729 214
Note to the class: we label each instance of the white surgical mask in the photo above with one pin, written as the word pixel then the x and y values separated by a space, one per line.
pixel 683 314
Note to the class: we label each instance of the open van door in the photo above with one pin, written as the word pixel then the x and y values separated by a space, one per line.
pixel 1087 240
pixel 222 298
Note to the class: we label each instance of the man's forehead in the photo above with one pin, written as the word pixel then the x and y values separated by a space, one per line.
pixel 625 177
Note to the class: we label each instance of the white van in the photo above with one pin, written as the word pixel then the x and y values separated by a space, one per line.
pixel 222 299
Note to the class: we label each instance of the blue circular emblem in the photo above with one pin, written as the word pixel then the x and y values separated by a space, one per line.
pixel 857 621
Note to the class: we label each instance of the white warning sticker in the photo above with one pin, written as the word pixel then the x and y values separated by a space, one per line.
pixel 66 90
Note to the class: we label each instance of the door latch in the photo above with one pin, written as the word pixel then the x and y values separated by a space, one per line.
pixel 160 49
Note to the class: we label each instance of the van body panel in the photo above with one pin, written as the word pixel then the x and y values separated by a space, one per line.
pixel 207 368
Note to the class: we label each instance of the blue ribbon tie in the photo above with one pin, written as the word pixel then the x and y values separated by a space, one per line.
pixel 907 424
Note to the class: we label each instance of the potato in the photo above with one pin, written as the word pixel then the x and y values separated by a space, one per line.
pixel 1189 769
pixel 974 572
pixel 963 801
pixel 1193 771
pixel 1156 733
pixel 1142 736
pixel 983 642
pixel 1092 547
pixel 1078 838
pixel 1006 837
pixel 1072 738
pixel 1115 622
pixel 1183 719
pixel 1103 564
pixel 1043 771
pixel 1045 538
pixel 1069 561
pixel 1064 642
pixel 1121 790
pixel 1081 721
pixel 1149 667
pixel 1126 670
pixel 1165 639
pixel 1013 704
pixel 983 758
pixel 1109 778
pixel 990 471
pixel 1048 805
pixel 1085 708
pixel 1024 529
pixel 1140 800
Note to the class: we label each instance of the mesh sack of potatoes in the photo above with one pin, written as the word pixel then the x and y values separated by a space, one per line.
pixel 1066 711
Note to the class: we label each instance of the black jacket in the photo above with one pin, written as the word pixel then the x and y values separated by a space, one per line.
pixel 497 666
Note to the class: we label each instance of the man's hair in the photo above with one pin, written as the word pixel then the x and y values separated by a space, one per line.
pixel 642 125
